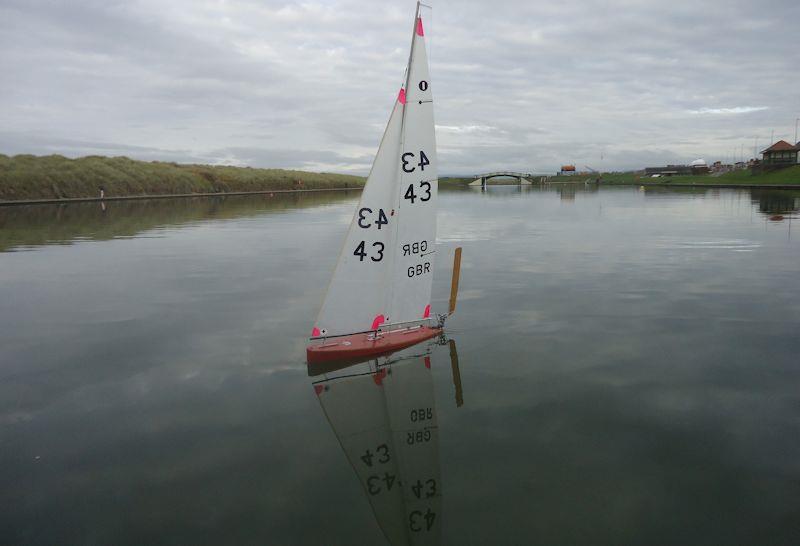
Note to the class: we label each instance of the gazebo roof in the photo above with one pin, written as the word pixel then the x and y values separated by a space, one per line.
pixel 781 146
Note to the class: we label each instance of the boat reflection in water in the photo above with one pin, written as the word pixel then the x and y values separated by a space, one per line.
pixel 383 413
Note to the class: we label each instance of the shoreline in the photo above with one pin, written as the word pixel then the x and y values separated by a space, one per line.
pixel 685 185
pixel 731 186
pixel 56 201
pixel 67 200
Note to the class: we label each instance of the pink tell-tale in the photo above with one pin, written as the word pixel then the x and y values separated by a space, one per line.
pixel 377 321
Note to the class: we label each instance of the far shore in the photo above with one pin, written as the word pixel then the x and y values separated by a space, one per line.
pixel 29 180
pixel 788 178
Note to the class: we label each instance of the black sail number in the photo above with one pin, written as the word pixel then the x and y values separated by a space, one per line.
pixel 361 252
pixel 407 159
pixel 364 221
pixel 423 85
pixel 424 195
pixel 380 252
pixel 406 162
pixel 427 187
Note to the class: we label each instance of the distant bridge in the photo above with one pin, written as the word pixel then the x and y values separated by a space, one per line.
pixel 522 178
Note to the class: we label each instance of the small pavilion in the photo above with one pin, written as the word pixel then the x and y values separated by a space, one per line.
pixel 780 154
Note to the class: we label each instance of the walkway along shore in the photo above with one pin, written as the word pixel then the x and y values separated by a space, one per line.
pixel 164 196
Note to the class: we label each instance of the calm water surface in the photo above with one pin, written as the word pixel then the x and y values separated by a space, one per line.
pixel 627 372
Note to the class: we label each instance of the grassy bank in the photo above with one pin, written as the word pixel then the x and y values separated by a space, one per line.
pixel 783 177
pixel 58 177
pixel 454 182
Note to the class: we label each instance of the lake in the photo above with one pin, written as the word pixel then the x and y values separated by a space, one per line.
pixel 623 368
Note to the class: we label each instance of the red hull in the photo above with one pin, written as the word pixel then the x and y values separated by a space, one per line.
pixel 367 345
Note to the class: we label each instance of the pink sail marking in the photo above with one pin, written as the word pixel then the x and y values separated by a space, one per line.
pixel 377 321
pixel 427 312
pixel 401 96
pixel 428 362
pixel 318 389
pixel 419 27
pixel 315 332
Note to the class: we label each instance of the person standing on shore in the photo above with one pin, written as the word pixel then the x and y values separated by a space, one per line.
pixel 102 192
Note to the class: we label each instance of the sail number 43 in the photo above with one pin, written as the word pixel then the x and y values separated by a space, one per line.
pixel 376 255
pixel 409 166
pixel 365 218
pixel 412 196
pixel 409 157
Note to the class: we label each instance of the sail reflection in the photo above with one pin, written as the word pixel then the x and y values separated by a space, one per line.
pixel 384 415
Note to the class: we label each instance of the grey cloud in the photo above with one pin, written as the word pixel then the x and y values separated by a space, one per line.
pixel 302 85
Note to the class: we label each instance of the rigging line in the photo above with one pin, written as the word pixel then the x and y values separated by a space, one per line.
pixel 383 329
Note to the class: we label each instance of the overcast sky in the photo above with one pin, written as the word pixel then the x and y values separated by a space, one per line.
pixel 523 85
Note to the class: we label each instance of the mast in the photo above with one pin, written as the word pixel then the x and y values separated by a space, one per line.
pixel 390 271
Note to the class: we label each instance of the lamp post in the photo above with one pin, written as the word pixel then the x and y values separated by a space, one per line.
pixel 795 130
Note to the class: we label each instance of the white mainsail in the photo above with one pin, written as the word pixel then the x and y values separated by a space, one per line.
pixel 417 194
pixel 385 269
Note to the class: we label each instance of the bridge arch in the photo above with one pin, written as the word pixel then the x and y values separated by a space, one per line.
pixel 481 179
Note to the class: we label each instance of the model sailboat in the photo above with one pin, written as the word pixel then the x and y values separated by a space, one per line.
pixel 378 300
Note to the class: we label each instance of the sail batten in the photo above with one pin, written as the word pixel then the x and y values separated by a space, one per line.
pixel 384 272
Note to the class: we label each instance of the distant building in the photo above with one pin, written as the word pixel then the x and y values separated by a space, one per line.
pixel 567 169
pixel 698 166
pixel 780 154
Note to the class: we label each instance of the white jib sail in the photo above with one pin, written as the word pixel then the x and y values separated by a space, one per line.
pixel 385 269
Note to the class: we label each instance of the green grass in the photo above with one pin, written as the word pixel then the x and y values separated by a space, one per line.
pixel 783 177
pixel 454 182
pixel 58 177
